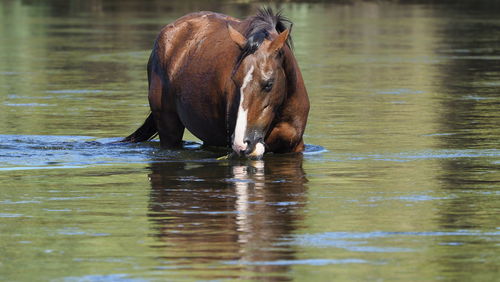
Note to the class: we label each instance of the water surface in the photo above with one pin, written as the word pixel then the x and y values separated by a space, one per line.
pixel 400 179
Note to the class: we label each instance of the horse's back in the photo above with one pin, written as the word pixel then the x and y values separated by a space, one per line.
pixel 190 36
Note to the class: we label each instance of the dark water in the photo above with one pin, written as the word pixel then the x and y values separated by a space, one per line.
pixel 400 181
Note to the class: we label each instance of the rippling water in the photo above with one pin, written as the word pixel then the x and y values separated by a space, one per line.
pixel 399 181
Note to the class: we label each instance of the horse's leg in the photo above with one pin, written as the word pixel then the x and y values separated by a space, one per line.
pixel 170 130
pixel 284 138
pixel 168 123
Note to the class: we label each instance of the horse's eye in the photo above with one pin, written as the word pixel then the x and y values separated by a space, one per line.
pixel 268 85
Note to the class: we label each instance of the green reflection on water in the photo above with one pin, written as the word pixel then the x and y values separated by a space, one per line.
pixel 404 98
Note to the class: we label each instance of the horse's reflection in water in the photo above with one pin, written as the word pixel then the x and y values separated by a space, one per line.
pixel 232 216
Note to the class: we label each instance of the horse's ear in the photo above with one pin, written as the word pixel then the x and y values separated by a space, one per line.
pixel 237 37
pixel 279 42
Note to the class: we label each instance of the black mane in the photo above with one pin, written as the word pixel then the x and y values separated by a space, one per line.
pixel 261 25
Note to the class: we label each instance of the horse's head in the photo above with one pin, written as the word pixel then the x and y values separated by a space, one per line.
pixel 261 81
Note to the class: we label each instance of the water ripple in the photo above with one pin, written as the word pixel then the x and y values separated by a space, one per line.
pixel 298 262
pixel 359 241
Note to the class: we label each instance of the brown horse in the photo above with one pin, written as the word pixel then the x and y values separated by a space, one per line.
pixel 229 82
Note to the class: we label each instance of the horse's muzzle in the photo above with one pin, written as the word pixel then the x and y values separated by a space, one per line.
pixel 251 148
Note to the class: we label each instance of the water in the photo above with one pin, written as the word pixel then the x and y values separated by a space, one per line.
pixel 400 180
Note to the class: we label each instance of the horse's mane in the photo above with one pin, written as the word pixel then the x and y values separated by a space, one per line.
pixel 259 28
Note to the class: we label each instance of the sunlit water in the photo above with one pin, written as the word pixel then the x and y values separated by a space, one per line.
pixel 399 181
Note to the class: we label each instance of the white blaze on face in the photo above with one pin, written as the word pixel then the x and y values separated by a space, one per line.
pixel 241 122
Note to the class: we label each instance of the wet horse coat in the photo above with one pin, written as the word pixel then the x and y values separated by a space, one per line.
pixel 229 82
